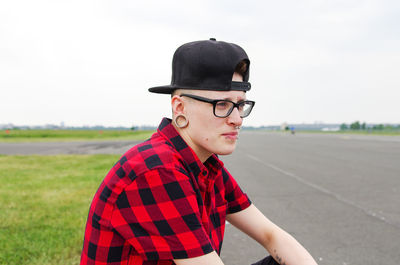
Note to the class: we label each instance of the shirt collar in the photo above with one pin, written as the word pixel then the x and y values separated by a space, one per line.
pixel 212 164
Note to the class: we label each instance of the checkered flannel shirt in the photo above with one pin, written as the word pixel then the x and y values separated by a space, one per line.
pixel 159 203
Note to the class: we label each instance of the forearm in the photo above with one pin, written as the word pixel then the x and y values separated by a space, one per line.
pixel 282 246
pixel 209 259
pixel 286 250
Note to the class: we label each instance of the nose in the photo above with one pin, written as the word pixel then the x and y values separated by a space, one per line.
pixel 234 118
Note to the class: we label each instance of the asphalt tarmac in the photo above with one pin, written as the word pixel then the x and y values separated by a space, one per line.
pixel 339 195
pixel 74 147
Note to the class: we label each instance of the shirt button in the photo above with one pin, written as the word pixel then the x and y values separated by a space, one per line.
pixel 204 173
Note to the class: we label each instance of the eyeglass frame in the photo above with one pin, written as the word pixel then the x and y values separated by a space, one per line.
pixel 215 101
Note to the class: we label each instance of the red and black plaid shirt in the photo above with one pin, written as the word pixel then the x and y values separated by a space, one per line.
pixel 158 203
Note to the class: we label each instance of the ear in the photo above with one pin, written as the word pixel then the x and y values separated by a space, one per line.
pixel 178 105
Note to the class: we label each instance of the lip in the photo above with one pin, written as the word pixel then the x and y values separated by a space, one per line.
pixel 231 135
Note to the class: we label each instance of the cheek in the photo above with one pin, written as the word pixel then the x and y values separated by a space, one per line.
pixel 206 126
pixel 212 129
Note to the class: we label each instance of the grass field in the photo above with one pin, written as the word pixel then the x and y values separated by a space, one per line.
pixel 44 206
pixel 70 135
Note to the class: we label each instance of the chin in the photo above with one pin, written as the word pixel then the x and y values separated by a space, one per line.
pixel 226 151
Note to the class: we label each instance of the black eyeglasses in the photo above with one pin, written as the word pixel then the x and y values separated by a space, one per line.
pixel 223 108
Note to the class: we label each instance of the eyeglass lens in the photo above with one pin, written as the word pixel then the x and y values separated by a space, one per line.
pixel 224 108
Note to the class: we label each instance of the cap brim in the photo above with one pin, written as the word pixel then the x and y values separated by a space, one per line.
pixel 238 86
pixel 162 89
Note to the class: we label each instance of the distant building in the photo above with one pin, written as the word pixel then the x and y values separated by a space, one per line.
pixel 7 126
pixel 331 129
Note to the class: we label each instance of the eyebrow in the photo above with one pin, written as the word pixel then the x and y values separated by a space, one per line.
pixel 231 99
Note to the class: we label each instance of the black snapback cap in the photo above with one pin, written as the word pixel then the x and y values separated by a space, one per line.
pixel 206 65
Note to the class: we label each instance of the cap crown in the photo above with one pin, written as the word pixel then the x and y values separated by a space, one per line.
pixel 206 65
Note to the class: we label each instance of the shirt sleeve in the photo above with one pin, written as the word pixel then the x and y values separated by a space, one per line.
pixel 158 214
pixel 236 198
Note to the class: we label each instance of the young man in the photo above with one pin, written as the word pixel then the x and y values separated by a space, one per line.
pixel 167 199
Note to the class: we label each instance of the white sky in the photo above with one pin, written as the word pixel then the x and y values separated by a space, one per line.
pixel 91 62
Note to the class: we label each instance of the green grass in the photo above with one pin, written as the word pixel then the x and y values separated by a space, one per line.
pixel 44 206
pixel 70 135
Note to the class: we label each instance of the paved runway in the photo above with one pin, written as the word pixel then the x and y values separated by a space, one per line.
pixel 339 195
pixel 75 147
